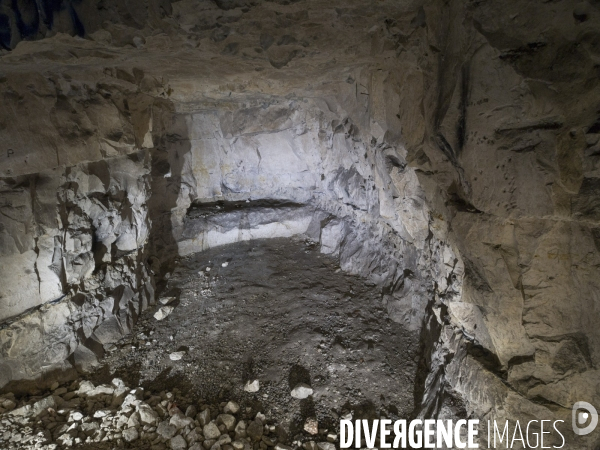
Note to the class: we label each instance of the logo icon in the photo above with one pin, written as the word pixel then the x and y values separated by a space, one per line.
pixel 584 413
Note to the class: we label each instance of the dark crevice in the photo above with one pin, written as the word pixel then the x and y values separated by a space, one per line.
pixel 210 208
pixel 487 359
pixel 462 205
pixel 549 123
pixel 461 126
pixel 594 128
pixel 429 338
pixel 520 359
pixel 525 50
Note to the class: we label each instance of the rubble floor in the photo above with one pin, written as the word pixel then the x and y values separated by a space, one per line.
pixel 278 311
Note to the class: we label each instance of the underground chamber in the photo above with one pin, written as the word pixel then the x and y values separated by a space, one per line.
pixel 232 225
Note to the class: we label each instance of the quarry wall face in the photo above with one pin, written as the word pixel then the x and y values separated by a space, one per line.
pixel 448 151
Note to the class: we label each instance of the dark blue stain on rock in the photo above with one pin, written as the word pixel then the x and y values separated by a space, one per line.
pixel 26 17
pixel 29 14
pixel 78 27
pixel 4 31
pixel 47 10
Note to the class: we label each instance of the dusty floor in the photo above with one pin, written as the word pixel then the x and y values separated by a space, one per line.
pixel 282 313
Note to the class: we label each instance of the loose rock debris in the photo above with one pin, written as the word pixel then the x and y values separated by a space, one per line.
pixel 113 415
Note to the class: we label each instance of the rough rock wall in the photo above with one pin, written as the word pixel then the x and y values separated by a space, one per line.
pixel 60 226
pixel 74 276
pixel 30 19
pixel 360 200
pixel 74 235
pixel 511 111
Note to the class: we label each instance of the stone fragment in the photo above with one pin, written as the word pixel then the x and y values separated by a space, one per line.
pixel 191 411
pixel 311 426
pixel 240 430
pixel 325 446
pixel 89 428
pixel 117 383
pixel 228 420
pixel 166 430
pixel 103 389
pixel 208 443
pixel 43 405
pixel 301 391
pixel 120 390
pixel 231 408
pixel 101 413
pixel 238 445
pixel 270 441
pixel 122 420
pixel 280 446
pixel 134 420
pixel 252 386
pixel 163 312
pixel 204 417
pixel 255 430
pixel 75 416
pixel 310 445
pixel 129 402
pixel 69 395
pixel 161 410
pixel 8 404
pixel 211 431
pixel 176 356
pixel 195 435
pixel 178 443
pixel 147 415
pixel 174 410
pixel 85 387
pixel 130 434
pixel 224 439
pixel 166 300
pixel 65 440
pixel 180 421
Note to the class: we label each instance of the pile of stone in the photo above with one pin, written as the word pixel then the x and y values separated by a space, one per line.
pixel 115 416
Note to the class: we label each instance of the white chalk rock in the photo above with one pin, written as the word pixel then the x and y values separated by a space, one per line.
pixel 301 391
pixel 166 300
pixel 252 386
pixel 176 356
pixel 163 312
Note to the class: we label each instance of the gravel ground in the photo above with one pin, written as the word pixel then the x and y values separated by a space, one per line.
pixel 280 312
